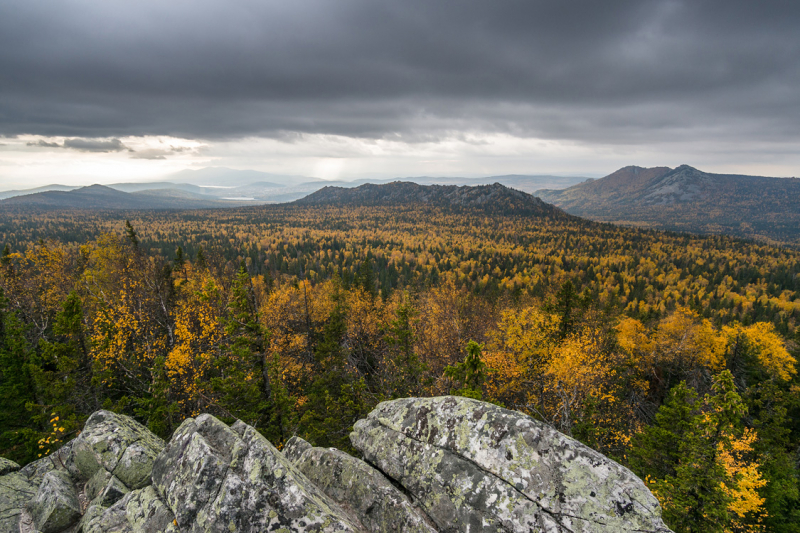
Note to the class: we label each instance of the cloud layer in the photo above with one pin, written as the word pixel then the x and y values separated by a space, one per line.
pixel 626 72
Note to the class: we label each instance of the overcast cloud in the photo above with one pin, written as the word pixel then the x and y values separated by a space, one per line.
pixel 626 73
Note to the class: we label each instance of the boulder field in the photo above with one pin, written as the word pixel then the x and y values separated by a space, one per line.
pixel 446 464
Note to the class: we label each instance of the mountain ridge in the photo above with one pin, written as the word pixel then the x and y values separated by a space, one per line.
pixel 495 198
pixel 687 199
pixel 103 197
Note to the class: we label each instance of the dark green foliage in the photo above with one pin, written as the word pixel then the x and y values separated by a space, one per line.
pixel 201 258
pixel 156 409
pixel 336 398
pixel 679 454
pixel 61 372
pixel 470 375
pixel 656 451
pixel 365 278
pixel 18 433
pixel 770 407
pixel 133 237
pixel 244 383
pixel 406 371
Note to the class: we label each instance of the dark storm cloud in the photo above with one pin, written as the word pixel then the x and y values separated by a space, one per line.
pixel 611 71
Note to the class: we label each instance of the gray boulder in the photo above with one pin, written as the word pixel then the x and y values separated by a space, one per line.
pixel 7 466
pixel 216 478
pixel 140 511
pixel 56 504
pixel 294 448
pixel 118 444
pixel 15 491
pixel 431 465
pixel 476 466
pixel 380 506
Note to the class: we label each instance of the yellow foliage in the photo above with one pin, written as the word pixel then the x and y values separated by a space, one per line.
pixel 767 346
pixel 745 479
pixel 198 333
pixel 519 350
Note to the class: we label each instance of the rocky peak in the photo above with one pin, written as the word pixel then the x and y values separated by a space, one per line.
pixel 429 465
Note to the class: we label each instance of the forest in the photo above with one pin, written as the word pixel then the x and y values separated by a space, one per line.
pixel 671 353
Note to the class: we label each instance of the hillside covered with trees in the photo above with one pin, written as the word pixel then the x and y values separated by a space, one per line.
pixel 688 199
pixel 673 354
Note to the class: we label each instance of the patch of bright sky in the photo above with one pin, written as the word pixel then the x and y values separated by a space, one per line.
pixel 26 163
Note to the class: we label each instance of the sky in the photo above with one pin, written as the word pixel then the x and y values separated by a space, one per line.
pixel 100 92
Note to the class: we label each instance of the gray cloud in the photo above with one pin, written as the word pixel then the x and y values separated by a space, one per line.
pixel 627 71
pixel 84 145
pixel 152 154
pixel 95 145
pixel 44 144
pixel 157 153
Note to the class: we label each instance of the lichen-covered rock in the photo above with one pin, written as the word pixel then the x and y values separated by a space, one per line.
pixel 456 493
pixel 7 466
pixel 36 470
pixel 433 465
pixel 96 484
pixel 215 478
pixel 114 491
pixel 146 512
pixel 465 458
pixel 56 504
pixel 118 444
pixel 356 486
pixel 294 448
pixel 15 491
pixel 139 511
pixel 111 520
pixel 92 512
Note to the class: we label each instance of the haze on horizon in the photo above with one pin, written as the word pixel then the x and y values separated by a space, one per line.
pixel 99 92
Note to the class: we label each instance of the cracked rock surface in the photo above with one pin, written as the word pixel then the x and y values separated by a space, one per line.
pixel 429 465
pixel 477 467
pixel 359 488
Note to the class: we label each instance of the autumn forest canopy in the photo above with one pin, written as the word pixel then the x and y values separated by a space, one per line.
pixel 671 353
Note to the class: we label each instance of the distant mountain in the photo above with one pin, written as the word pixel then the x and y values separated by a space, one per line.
pixel 102 197
pixel 215 183
pixel 495 198
pixel 229 177
pixel 155 185
pixel 688 199
pixel 53 187
pixel 525 183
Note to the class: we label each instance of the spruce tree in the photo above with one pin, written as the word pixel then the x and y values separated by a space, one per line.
pixel 337 396
pixel 469 375
pixel 17 434
pixel 679 455
pixel 405 370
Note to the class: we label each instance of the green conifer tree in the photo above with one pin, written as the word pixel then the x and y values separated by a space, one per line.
pixel 469 375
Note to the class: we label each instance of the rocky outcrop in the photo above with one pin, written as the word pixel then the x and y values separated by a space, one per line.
pixel 359 488
pixel 436 464
pixel 476 467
